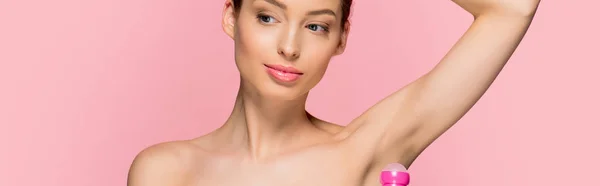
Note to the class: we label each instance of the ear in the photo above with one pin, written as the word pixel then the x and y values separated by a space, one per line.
pixel 344 39
pixel 229 19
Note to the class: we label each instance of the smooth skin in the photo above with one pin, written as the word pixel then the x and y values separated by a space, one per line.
pixel 270 139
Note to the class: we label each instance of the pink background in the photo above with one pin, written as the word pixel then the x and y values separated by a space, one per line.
pixel 88 84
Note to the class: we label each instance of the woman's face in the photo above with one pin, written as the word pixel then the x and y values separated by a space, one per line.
pixel 283 47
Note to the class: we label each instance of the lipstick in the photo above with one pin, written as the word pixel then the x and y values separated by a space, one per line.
pixel 283 74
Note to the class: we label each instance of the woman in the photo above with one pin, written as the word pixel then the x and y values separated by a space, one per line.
pixel 282 49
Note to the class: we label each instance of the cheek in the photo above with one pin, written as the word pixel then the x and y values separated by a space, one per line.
pixel 252 46
pixel 252 39
pixel 318 51
pixel 317 62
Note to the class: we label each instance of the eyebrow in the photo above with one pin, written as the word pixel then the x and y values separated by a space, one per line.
pixel 311 13
pixel 277 4
pixel 320 12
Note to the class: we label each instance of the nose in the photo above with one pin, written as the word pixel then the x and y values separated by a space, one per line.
pixel 289 46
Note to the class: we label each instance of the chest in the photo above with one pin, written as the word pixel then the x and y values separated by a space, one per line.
pixel 314 168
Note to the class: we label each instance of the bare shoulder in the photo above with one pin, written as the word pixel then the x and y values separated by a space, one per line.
pixel 169 163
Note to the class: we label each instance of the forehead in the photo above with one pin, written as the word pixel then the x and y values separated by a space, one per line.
pixel 303 5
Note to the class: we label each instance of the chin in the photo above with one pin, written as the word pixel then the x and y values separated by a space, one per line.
pixel 280 92
pixel 267 88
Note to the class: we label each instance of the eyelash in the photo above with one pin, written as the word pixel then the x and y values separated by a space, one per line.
pixel 261 17
pixel 325 28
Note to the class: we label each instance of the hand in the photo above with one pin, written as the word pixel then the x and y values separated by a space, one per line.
pixel 524 8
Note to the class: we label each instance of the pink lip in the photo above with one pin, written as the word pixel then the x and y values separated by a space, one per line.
pixel 283 73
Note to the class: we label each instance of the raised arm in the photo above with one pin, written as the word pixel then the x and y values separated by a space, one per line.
pixel 405 123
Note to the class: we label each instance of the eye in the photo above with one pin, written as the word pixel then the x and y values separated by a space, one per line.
pixel 265 18
pixel 317 28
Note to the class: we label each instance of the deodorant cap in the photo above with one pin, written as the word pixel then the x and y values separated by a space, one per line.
pixel 395 174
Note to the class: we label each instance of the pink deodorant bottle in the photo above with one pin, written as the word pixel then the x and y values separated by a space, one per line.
pixel 394 174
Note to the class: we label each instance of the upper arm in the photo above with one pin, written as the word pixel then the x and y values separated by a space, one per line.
pixel 159 165
pixel 403 124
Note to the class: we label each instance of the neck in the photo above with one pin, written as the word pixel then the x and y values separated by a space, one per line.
pixel 263 125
